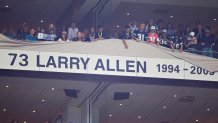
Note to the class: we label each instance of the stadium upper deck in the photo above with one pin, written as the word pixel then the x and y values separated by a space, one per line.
pixel 107 57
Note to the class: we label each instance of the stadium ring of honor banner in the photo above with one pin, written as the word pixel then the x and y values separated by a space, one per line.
pixel 103 65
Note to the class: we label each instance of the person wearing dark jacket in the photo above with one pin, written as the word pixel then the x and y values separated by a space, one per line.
pixel 100 35
pixel 206 44
pixel 126 35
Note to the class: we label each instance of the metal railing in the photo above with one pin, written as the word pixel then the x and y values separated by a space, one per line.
pixel 200 52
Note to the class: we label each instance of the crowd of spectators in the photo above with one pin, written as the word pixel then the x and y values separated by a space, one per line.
pixel 197 38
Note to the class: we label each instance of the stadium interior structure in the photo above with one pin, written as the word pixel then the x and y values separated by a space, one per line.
pixel 148 102
pixel 54 97
pixel 106 12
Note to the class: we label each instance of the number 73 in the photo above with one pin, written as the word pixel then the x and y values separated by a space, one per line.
pixel 22 59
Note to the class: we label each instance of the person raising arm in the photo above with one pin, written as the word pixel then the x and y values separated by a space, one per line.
pixel 125 35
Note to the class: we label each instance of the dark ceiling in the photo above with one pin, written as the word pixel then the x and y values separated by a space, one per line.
pixel 181 14
pixel 33 11
pixel 113 14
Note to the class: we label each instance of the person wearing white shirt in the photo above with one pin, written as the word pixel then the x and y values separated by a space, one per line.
pixel 133 26
pixel 72 31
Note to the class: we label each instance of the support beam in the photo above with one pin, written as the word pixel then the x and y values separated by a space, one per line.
pixel 72 115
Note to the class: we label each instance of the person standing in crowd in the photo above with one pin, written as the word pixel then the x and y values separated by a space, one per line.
pixel 153 36
pixel 207 42
pixel 170 29
pixel 115 35
pixel 86 32
pixel 199 31
pixel 191 42
pixel 140 34
pixel 52 29
pixel 39 33
pixel 86 35
pixel 62 29
pixel 72 31
pixel 22 32
pixel 63 36
pixel 133 26
pixel 148 26
pixel 187 31
pixel 164 40
pixel 31 36
pixel 78 37
pixel 92 34
pixel 100 35
pixel 38 29
pixel 177 41
pixel 126 35
pixel 160 26
pixel 52 32
pixel 9 32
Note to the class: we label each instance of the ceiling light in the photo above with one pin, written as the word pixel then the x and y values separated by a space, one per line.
pixel 34 111
pixel 121 104
pixel 52 89
pixel 174 95
pixel 196 120
pixel 171 16
pixel 214 19
pixel 110 115
pixel 139 117
pixel 131 93
pixel 164 107
pixel 208 109
pixel 24 122
pixel 43 100
pixel 118 26
pixel 6 6
pixel 41 21
pixel 7 86
pixel 128 14
pixel 4 110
